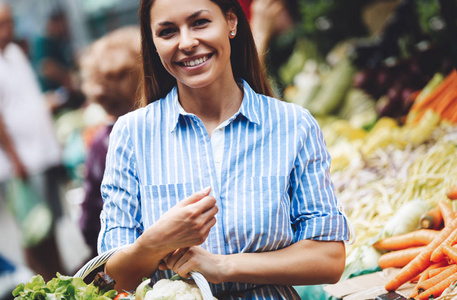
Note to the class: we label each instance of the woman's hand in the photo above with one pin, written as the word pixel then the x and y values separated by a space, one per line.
pixel 184 260
pixel 186 224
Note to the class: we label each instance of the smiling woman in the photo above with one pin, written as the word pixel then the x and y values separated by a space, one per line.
pixel 212 174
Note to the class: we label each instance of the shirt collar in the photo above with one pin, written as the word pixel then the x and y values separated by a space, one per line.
pixel 249 107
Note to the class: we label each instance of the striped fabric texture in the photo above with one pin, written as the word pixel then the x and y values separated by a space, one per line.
pixel 273 189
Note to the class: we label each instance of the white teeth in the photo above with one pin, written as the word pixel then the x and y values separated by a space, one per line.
pixel 195 62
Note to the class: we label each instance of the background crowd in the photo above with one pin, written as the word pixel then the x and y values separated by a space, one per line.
pixel 74 70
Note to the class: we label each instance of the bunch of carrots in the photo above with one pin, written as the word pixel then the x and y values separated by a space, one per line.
pixel 428 256
pixel 440 96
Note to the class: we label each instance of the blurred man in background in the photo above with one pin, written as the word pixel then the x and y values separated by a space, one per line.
pixel 53 59
pixel 29 150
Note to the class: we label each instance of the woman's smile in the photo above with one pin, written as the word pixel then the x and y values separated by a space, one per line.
pixel 195 62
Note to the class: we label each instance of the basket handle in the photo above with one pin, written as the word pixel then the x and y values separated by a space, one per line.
pixel 96 262
pixel 101 259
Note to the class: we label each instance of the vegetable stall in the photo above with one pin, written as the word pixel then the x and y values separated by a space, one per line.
pixel 388 110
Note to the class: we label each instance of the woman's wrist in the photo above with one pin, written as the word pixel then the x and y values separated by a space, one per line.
pixel 151 249
pixel 227 268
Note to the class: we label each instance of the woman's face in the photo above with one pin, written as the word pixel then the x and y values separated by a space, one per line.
pixel 192 39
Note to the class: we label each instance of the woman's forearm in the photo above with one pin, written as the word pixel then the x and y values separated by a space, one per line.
pixel 130 265
pixel 303 263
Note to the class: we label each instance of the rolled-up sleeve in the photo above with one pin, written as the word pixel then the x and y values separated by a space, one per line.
pixel 121 215
pixel 315 212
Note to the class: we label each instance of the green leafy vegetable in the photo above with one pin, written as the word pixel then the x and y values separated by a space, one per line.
pixel 61 288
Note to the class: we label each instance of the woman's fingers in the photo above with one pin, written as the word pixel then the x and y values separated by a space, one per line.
pixel 207 227
pixel 206 204
pixel 179 262
pixel 163 266
pixel 176 256
pixel 195 197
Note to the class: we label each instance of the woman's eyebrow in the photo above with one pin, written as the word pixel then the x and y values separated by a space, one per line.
pixel 192 16
pixel 196 14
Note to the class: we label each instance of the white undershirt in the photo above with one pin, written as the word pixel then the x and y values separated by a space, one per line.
pixel 217 143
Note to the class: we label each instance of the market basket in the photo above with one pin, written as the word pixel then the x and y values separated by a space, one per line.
pixel 101 259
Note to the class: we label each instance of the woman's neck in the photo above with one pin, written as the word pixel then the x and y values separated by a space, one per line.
pixel 212 104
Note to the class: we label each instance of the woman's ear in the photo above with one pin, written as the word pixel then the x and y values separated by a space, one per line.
pixel 232 20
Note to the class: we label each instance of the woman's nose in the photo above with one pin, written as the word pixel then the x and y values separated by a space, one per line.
pixel 187 41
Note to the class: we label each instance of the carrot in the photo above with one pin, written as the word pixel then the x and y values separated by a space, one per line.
pixel 426 274
pixel 438 288
pixel 433 280
pixel 446 211
pixel 451 253
pixel 447 108
pixel 398 258
pixel 422 277
pixel 438 253
pixel 445 101
pixel 415 238
pixel 452 193
pixel 440 99
pixel 436 271
pixel 417 278
pixel 420 262
pixel 453 115
pixel 442 87
pixel 432 219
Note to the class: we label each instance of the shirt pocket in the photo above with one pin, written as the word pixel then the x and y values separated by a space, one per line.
pixel 261 214
pixel 158 199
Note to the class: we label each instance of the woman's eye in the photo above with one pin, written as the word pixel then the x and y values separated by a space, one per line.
pixel 166 32
pixel 201 22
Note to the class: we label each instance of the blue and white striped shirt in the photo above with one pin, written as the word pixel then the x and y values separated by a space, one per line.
pixel 271 181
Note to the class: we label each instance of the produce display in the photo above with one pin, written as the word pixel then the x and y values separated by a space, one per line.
pixel 389 177
pixel 387 108
pixel 388 111
pixel 102 288
pixel 396 179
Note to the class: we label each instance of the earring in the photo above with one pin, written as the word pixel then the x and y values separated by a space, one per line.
pixel 232 33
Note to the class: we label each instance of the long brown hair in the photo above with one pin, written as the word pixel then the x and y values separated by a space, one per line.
pixel 157 82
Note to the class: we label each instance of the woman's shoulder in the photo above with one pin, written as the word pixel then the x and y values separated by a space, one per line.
pixel 298 112
pixel 158 114
pixel 271 102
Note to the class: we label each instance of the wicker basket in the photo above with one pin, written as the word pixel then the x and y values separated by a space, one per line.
pixel 103 258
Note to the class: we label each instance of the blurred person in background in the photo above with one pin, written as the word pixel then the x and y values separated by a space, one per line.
pixel 110 72
pixel 28 147
pixel 53 58
pixel 274 27
pixel 269 19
